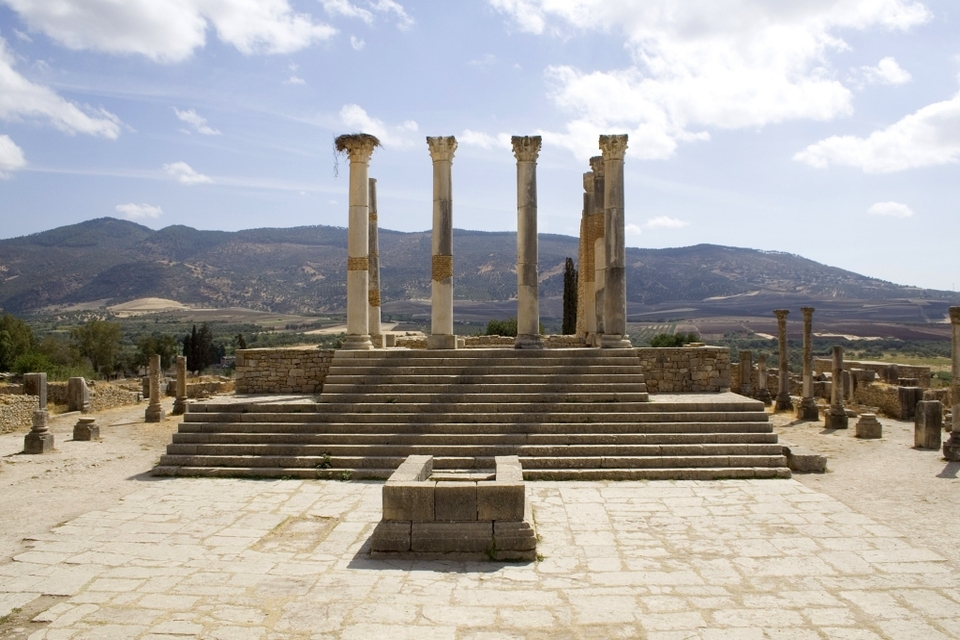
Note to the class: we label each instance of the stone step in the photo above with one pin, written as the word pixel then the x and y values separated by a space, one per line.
pixel 579 353
pixel 574 414
pixel 519 390
pixel 446 397
pixel 576 375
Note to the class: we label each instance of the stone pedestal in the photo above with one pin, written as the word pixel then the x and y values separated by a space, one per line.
pixel 763 390
pixel 909 397
pixel 807 410
pixel 868 427
pixel 35 384
pixel 746 373
pixel 836 416
pixel 359 148
pixel 441 336
pixel 180 400
pixel 613 148
pixel 526 149
pixel 86 429
pixel 78 395
pixel 39 440
pixel 784 402
pixel 373 293
pixel 928 425
pixel 154 412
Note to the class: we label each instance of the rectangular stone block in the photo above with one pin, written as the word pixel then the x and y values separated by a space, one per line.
pixel 455 501
pixel 515 536
pixel 413 469
pixel 928 424
pixel 412 501
pixel 391 537
pixel 500 501
pixel 451 537
pixel 509 469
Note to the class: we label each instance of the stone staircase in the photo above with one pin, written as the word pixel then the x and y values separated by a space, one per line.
pixel 567 413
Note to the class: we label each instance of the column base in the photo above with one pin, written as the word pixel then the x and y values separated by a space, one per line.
pixel 836 419
pixel 154 413
pixel 378 340
pixel 808 410
pixel 528 341
pixel 784 402
pixel 357 342
pixel 614 341
pixel 86 430
pixel 35 442
pixel 951 448
pixel 179 407
pixel 442 341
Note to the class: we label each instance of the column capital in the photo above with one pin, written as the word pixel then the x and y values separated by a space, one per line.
pixel 596 165
pixel 613 147
pixel 588 182
pixel 807 311
pixel 955 315
pixel 781 314
pixel 358 146
pixel 442 148
pixel 526 148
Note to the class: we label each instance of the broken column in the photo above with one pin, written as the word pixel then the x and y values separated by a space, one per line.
pixel 746 373
pixel 441 297
pixel 39 439
pixel 526 149
pixel 928 425
pixel 180 400
pixel 154 412
pixel 613 148
pixel 86 430
pixel 784 403
pixel 763 390
pixel 951 448
pixel 808 406
pixel 836 415
pixel 868 427
pixel 359 147
pixel 78 395
pixel 376 334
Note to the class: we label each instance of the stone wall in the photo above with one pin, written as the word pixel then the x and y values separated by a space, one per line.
pixel 486 342
pixel 679 369
pixel 16 412
pixel 282 370
pixel 107 396
pixel 921 373
pixel 884 397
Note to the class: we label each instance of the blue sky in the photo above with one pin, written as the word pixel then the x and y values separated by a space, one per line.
pixel 826 128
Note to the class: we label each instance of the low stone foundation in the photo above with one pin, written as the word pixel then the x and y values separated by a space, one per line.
pixel 16 412
pixel 685 369
pixel 282 370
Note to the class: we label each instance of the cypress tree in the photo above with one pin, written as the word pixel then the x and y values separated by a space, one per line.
pixel 569 298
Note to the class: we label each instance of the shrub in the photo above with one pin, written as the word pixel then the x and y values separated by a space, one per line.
pixel 673 339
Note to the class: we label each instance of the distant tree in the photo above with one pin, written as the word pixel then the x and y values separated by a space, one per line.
pixel 569 298
pixel 239 342
pixel 673 339
pixel 166 346
pixel 99 342
pixel 199 348
pixel 16 339
pixel 502 327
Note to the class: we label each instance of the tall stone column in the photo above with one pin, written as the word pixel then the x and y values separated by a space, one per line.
pixel 808 406
pixel 526 149
pixel 836 416
pixel 613 148
pixel 376 333
pixel 599 286
pixel 763 388
pixel 39 439
pixel 180 401
pixel 154 412
pixel 784 403
pixel 951 448
pixel 597 228
pixel 585 279
pixel 359 147
pixel 441 298
pixel 746 373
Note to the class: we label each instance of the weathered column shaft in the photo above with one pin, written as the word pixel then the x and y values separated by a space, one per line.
pixel 808 406
pixel 951 448
pixel 763 387
pixel 836 416
pixel 526 149
pixel 613 148
pixel 373 291
pixel 180 402
pixel 784 402
pixel 598 263
pixel 441 336
pixel 39 439
pixel 746 373
pixel 154 412
pixel 599 285
pixel 359 148
pixel 586 316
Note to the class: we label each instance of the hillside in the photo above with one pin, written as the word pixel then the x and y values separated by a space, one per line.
pixel 302 269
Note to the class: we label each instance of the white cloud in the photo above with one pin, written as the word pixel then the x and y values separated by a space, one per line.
pixel 354 118
pixel 633 230
pixel 347 9
pixel 11 156
pixel 724 64
pixel 139 211
pixel 887 71
pixel 665 222
pixel 404 21
pixel 485 140
pixel 170 30
pixel 198 122
pixel 930 136
pixel 483 61
pixel 890 209
pixel 294 80
pixel 23 36
pixel 20 98
pixel 357 43
pixel 185 174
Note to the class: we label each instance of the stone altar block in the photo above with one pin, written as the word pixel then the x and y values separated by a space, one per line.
pixel 86 430
pixel 460 516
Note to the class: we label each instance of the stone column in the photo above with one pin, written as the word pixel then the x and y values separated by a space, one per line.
pixel 746 373
pixel 526 149
pixel 78 395
pixel 441 296
pixel 180 401
pixel 836 416
pixel 763 390
pixel 359 148
pixel 39 439
pixel 154 412
pixel 613 148
pixel 376 333
pixel 784 403
pixel 596 225
pixel 951 448
pixel 808 406
pixel 599 288
pixel 585 279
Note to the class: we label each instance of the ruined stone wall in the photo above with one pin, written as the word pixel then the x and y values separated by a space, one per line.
pixel 679 369
pixel 202 389
pixel 885 397
pixel 921 373
pixel 16 412
pixel 282 370
pixel 108 396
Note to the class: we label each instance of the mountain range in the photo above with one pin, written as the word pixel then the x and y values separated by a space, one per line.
pixel 303 269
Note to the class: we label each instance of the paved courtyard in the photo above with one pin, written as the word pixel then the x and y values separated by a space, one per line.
pixel 237 559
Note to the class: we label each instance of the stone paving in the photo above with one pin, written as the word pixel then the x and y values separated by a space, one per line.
pixel 669 560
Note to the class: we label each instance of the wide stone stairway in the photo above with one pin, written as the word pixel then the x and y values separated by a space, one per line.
pixel 567 413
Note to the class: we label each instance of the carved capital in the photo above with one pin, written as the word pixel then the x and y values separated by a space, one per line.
pixel 955 315
pixel 588 182
pixel 781 314
pixel 807 312
pixel 442 148
pixel 358 146
pixel 526 148
pixel 613 147
pixel 596 165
